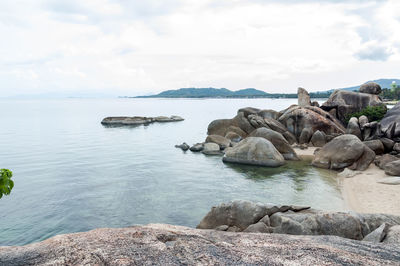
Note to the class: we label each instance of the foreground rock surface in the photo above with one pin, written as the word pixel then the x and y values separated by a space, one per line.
pixel 138 120
pixel 174 245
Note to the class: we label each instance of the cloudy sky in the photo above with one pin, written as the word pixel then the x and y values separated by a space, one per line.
pixel 132 47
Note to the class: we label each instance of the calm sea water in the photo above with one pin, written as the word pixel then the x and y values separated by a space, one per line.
pixel 72 174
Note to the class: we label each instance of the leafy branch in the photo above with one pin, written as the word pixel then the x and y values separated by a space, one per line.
pixel 6 184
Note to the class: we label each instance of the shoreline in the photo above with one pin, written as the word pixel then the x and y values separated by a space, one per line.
pixel 361 193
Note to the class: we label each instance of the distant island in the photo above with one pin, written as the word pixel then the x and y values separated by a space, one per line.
pixel 251 92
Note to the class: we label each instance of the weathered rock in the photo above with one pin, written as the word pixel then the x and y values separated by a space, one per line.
pixel 381 161
pixel 233 137
pixel 289 137
pixel 344 151
pixel 392 168
pixel 238 213
pixel 254 151
pixel 372 131
pixel 278 141
pixel 221 141
pixel 265 220
pixel 137 120
pixel 393 235
pixel 222 228
pixel 348 102
pixel 197 147
pixel 159 244
pixel 211 149
pixel 305 135
pixel 315 103
pixel 184 146
pixel 258 228
pixel 236 130
pixel 390 180
pixel 353 128
pixel 275 125
pixel 388 144
pixel 378 234
pixel 375 145
pixel 222 126
pixel 303 97
pixel 249 111
pixel 269 114
pixel 396 147
pixel 371 88
pixel 296 118
pixel 362 120
pixel 318 139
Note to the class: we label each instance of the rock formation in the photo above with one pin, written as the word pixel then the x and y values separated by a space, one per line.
pixel 371 88
pixel 303 97
pixel 137 120
pixel 390 124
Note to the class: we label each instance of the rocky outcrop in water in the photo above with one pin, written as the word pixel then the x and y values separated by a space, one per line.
pixel 138 120
pixel 159 244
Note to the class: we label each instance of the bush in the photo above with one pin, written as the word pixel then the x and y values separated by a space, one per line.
pixel 6 184
pixel 374 113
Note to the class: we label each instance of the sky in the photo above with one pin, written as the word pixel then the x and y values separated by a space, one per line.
pixel 140 47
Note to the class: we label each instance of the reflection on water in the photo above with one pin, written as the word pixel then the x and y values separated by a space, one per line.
pixel 72 174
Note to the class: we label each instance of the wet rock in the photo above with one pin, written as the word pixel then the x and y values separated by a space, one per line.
pixel 197 147
pixel 344 151
pixel 318 139
pixel 375 145
pixel 353 128
pixel 371 88
pixel 348 102
pixel 184 146
pixel 254 151
pixel 303 97
pixel 279 142
pixel 221 141
pixel 211 149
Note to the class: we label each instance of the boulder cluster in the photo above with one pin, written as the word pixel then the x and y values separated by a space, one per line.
pixel 138 120
pixel 266 137
pixel 251 217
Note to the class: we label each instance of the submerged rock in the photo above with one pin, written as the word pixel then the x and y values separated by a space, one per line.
pixel 160 244
pixel 254 151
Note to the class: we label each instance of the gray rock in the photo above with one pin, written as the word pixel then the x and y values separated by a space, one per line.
pixel 347 173
pixel 137 120
pixel 211 149
pixel 305 135
pixel 289 137
pixel 265 220
pixel 393 235
pixel 371 88
pixel 318 139
pixel 268 114
pixel 222 126
pixel 392 168
pixel 184 146
pixel 258 228
pixel 388 144
pixel 174 245
pixel 375 145
pixel 221 141
pixel 275 125
pixel 372 131
pixel 353 127
pixel 197 147
pixel 254 151
pixel 390 180
pixel 381 161
pixel 348 102
pixel 233 137
pixel 362 120
pixel 279 142
pixel 344 151
pixel 315 103
pixel 303 97
pixel 238 213
pixel 396 147
pixel 378 234
pixel 391 122
pixel 223 227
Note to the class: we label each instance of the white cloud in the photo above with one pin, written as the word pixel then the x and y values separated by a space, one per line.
pixel 135 47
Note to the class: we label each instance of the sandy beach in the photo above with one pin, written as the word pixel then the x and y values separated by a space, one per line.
pixel 362 192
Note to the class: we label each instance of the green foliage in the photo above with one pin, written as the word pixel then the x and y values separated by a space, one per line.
pixel 6 184
pixel 391 94
pixel 374 113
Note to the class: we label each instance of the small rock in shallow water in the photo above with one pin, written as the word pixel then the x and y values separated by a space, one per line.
pixel 197 147
pixel 184 146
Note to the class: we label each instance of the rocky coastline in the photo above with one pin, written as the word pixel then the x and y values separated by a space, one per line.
pixel 138 120
pixel 365 154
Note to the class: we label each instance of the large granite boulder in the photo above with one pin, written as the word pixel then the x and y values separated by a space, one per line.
pixel 390 123
pixel 254 151
pixel 392 168
pixel 318 139
pixel 376 145
pixel 211 149
pixel 344 151
pixel 221 141
pixel 280 143
pixel 354 128
pixel 381 161
pixel 303 97
pixel 347 102
pixel 160 244
pixel 371 88
pixel 223 126
pixel 296 118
